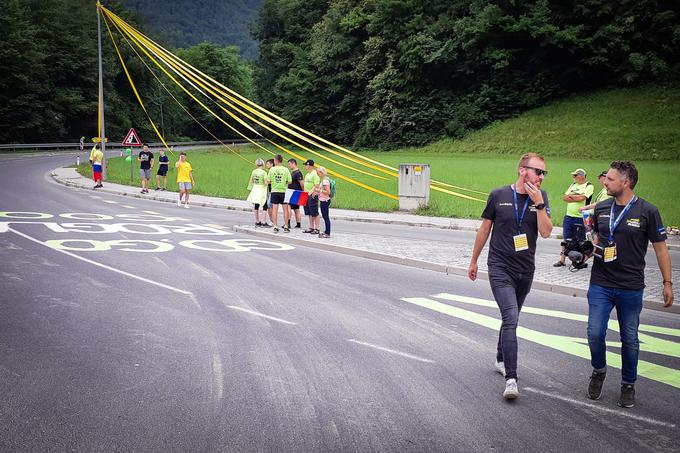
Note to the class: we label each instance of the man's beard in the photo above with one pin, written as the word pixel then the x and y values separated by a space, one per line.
pixel 614 194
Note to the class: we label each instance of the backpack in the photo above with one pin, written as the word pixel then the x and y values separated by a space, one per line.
pixel 590 198
pixel 332 189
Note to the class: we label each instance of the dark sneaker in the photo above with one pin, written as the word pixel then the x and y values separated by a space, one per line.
pixel 258 224
pixel 627 398
pixel 157 188
pixel 595 385
pixel 315 231
pixel 164 189
pixel 308 230
pixel 276 229
pixel 298 226
pixel 559 264
pixel 266 225
pixel 286 230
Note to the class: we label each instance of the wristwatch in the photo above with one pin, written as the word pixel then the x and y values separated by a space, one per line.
pixel 540 206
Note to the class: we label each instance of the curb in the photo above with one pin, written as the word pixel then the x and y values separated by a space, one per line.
pixel 427 265
pixel 450 226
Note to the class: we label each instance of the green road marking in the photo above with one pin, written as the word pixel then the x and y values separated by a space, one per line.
pixel 648 343
pixel 569 345
pixel 554 314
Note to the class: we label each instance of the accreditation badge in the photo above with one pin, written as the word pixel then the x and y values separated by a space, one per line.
pixel 609 254
pixel 521 242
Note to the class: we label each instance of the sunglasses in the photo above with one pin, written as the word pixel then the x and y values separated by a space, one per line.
pixel 538 171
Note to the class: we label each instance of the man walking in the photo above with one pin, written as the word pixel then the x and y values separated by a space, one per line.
pixel 577 195
pixel 517 213
pixel 623 225
pixel 312 181
pixel 279 177
pixel 145 159
pixel 296 184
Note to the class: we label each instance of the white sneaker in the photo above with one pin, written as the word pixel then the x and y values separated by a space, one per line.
pixel 179 203
pixel 186 205
pixel 511 391
pixel 500 367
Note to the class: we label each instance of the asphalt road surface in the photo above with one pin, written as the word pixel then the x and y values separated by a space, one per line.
pixel 133 325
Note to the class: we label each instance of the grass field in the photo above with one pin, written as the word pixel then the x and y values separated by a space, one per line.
pixel 586 131
pixel 221 173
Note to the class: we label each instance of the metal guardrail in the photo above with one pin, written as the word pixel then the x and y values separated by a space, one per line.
pixel 87 146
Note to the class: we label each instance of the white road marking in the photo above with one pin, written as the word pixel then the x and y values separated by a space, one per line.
pixel 96 197
pixel 110 201
pixel 112 269
pixel 151 212
pixel 127 206
pixel 600 408
pixel 392 351
pixel 262 315
pixel 219 376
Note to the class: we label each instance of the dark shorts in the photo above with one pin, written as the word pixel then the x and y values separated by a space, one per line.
pixel 312 206
pixel 573 228
pixel 294 206
pixel 278 197
pixel 162 171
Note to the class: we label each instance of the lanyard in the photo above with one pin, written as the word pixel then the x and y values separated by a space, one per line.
pixel 615 223
pixel 519 217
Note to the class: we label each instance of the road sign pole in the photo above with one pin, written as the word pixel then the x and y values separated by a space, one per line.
pixel 101 92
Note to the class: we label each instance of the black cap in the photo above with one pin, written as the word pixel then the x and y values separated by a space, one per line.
pixel 309 162
pixel 604 173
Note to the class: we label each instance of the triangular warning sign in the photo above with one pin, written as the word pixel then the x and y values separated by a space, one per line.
pixel 132 139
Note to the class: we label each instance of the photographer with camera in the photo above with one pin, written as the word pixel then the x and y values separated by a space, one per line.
pixel 577 195
pixel 517 213
pixel 623 228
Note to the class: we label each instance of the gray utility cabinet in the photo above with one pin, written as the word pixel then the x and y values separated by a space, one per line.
pixel 414 186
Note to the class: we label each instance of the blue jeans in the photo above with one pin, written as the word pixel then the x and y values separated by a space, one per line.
pixel 628 304
pixel 510 289
pixel 573 228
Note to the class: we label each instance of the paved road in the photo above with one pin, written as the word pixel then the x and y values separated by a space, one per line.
pixel 175 334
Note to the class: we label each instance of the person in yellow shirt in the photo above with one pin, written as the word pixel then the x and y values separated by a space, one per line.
pixel 185 179
pixel 96 159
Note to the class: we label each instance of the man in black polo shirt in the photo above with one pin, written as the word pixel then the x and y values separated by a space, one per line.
pixel 517 213
pixel 297 184
pixel 623 225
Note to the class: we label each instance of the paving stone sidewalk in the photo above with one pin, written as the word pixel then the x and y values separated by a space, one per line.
pixel 435 255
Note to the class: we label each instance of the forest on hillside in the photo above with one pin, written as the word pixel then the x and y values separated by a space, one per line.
pixel 365 73
pixel 185 23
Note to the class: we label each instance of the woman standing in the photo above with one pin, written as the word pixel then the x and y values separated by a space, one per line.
pixel 324 191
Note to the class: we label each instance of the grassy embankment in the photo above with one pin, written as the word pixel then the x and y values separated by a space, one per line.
pixel 587 131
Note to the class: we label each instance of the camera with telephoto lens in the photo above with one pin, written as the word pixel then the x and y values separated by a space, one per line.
pixel 578 252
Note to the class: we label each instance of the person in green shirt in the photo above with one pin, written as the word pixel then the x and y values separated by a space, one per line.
pixel 312 181
pixel 279 177
pixel 601 195
pixel 576 195
pixel 258 191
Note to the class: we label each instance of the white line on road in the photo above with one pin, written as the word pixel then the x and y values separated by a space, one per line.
pixel 219 376
pixel 110 201
pixel 262 315
pixel 151 212
pixel 600 408
pixel 392 351
pixel 112 269
pixel 127 206
pixel 96 197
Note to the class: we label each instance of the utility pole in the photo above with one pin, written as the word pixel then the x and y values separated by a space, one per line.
pixel 102 132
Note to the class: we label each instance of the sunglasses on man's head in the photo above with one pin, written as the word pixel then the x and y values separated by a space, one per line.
pixel 538 171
